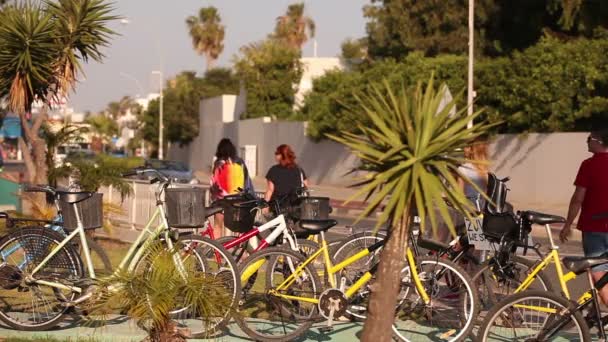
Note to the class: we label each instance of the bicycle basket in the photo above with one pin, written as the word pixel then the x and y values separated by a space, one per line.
pixel 239 213
pixel 497 227
pixel 312 208
pixel 90 210
pixel 185 207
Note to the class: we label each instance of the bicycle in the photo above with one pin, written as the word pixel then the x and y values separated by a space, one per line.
pixel 55 278
pixel 545 316
pixel 299 292
pixel 273 232
pixel 101 261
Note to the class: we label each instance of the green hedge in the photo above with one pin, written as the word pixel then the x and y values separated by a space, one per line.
pixel 552 86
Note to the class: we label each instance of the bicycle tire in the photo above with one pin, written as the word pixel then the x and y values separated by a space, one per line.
pixel 307 248
pixel 247 324
pixel 227 269
pixel 499 310
pixel 236 250
pixel 467 307
pixel 37 242
pixel 482 281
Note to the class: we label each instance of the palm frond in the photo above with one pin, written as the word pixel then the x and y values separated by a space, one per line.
pixel 411 151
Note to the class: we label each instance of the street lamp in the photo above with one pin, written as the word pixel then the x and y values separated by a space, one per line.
pixel 470 91
pixel 160 117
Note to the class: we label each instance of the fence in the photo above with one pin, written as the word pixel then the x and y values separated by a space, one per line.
pixel 138 207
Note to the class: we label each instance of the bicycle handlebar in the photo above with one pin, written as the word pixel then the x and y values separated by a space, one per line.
pixel 38 188
pixel 159 175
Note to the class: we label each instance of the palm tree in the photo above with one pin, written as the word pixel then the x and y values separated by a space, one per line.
pixel 207 33
pixel 42 48
pixel 410 154
pixel 53 139
pixel 294 28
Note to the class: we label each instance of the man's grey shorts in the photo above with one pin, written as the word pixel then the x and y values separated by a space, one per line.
pixel 596 244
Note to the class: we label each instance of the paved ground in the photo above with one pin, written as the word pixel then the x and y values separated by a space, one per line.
pixel 119 330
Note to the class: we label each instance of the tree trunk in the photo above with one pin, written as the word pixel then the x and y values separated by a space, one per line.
pixel 35 155
pixel 209 61
pixel 385 289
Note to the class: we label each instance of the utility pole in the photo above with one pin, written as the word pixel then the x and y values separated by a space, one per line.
pixel 161 126
pixel 470 91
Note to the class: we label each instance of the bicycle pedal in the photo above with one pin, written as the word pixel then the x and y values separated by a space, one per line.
pixel 326 329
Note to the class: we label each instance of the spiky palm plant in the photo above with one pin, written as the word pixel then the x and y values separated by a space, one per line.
pixel 410 154
pixel 55 138
pixel 155 288
pixel 42 48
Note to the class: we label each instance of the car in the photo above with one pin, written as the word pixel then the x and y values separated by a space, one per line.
pixel 175 170
pixel 80 155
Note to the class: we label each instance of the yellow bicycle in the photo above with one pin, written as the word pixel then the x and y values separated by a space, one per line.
pixel 436 299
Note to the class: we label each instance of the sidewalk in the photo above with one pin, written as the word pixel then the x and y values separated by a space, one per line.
pixel 118 329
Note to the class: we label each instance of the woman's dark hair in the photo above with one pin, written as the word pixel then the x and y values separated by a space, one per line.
pixel 225 149
pixel 288 157
pixel 601 134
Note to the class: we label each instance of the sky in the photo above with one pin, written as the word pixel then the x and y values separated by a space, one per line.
pixel 156 38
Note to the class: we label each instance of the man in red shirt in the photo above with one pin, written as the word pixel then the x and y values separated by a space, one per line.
pixel 591 198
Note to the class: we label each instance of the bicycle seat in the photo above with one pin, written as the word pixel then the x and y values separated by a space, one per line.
pixel 579 265
pixel 73 197
pixel 317 226
pixel 432 245
pixel 210 211
pixel 540 218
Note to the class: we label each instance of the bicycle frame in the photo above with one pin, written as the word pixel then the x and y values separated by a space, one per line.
pixel 552 257
pixel 130 260
pixel 333 269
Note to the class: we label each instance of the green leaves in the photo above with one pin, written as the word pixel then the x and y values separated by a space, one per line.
pixel 207 33
pixel 42 47
pixel 411 151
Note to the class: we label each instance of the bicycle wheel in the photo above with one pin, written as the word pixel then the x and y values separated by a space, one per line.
pixel 27 305
pixel 263 314
pixel 305 247
pixel 522 316
pixel 450 312
pixel 237 252
pixel 354 245
pixel 493 283
pixel 214 260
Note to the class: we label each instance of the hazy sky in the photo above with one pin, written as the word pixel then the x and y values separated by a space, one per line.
pixel 157 32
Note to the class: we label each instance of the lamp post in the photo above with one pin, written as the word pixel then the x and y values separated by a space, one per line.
pixel 470 91
pixel 160 116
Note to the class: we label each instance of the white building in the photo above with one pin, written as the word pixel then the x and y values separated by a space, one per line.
pixel 315 67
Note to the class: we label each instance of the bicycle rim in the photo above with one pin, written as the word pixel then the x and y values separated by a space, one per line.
pixel 451 310
pixel 264 316
pixel 32 306
pixel 523 316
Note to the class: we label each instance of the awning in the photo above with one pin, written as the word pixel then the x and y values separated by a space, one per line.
pixel 11 127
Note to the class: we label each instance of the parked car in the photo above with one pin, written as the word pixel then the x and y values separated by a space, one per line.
pixel 176 171
pixel 80 155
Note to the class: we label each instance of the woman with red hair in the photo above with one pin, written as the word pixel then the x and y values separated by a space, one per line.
pixel 286 176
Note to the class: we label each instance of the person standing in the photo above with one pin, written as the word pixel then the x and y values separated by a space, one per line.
pixel 229 175
pixel 284 177
pixel 590 198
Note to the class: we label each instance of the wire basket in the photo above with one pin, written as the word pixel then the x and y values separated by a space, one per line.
pixel 185 207
pixel 239 214
pixel 312 208
pixel 90 211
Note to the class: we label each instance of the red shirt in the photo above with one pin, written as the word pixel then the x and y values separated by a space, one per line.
pixel 593 176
